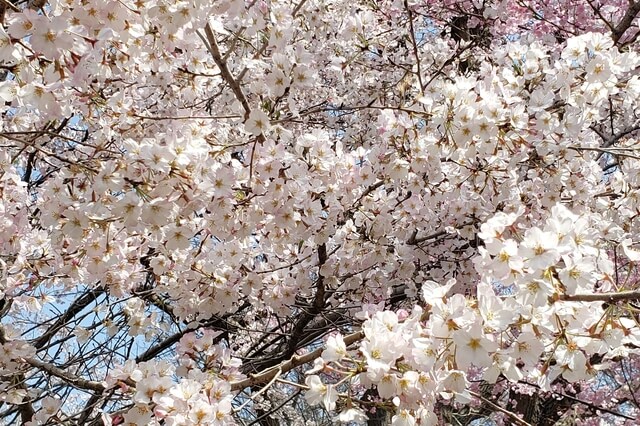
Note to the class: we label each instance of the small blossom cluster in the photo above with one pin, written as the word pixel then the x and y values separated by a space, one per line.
pixel 197 392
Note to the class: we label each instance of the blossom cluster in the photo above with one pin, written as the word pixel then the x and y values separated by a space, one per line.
pixel 450 198
pixel 527 332
pixel 198 396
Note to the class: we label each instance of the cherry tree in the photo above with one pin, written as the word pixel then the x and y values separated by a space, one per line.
pixel 319 212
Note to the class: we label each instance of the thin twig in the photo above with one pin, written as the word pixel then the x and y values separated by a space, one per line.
pixel 264 389
pixel 415 45
pixel 517 420
pixel 612 151
pixel 297 8
pixel 195 117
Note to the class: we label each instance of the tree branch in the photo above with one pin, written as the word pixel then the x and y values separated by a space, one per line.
pixel 212 46
pixel 72 379
pixel 414 45
pixel 626 21
pixel 516 420
pixel 314 309
pixel 290 364
pixel 75 307
pixel 602 297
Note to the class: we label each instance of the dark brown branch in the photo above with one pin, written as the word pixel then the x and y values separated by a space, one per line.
pixel 297 8
pixel 290 364
pixel 75 308
pixel 71 379
pixel 516 420
pixel 212 46
pixel 602 297
pixel 283 367
pixel 414 239
pixel 11 6
pixel 314 309
pixel 29 169
pixel 414 45
pixel 626 21
pixel 597 10
pixel 611 140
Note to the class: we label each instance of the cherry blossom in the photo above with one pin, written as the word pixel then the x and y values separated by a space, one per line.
pixel 271 212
